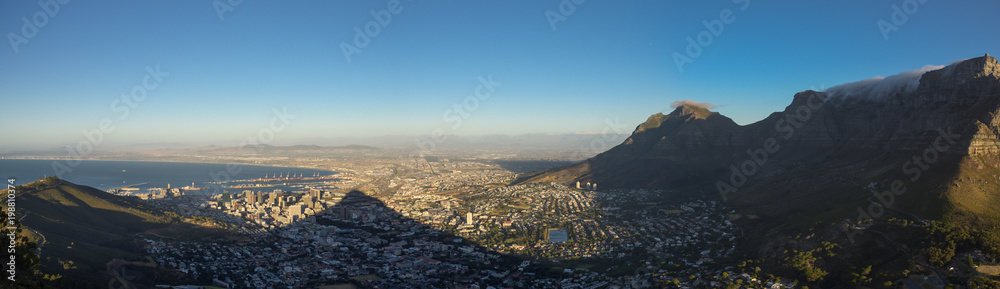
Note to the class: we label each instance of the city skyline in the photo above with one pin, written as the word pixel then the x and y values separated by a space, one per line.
pixel 219 72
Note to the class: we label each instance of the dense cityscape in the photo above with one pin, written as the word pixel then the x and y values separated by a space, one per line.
pixel 231 144
pixel 449 223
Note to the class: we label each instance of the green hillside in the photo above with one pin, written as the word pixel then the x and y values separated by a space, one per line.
pixel 80 229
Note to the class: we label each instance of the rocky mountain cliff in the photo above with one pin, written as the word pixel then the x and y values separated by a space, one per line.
pixel 934 129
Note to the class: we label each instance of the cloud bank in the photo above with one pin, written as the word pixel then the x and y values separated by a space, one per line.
pixel 680 103
pixel 881 87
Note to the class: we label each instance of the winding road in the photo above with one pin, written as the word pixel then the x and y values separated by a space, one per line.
pixel 38 248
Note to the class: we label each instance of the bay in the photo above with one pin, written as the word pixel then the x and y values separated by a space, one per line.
pixel 107 175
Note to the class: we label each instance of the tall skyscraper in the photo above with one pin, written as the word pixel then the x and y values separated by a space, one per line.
pixel 251 197
pixel 468 218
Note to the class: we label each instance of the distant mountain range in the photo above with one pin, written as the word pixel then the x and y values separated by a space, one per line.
pixel 575 145
pixel 933 135
pixel 264 149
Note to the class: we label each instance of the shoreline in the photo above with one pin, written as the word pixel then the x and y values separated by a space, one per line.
pixel 43 168
pixel 166 161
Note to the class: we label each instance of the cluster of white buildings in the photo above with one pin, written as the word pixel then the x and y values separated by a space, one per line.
pixel 590 186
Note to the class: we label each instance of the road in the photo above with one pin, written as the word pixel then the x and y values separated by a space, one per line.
pixel 38 248
pixel 875 193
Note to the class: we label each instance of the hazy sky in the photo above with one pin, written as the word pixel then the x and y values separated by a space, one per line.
pixel 224 69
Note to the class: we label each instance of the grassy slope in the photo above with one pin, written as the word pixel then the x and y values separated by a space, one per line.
pixel 974 193
pixel 963 193
pixel 88 226
pixel 83 225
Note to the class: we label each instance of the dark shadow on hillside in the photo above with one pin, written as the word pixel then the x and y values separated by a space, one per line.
pixel 87 234
pixel 821 170
pixel 527 166
pixel 931 141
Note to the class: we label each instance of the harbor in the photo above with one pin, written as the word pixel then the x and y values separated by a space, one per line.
pixel 147 177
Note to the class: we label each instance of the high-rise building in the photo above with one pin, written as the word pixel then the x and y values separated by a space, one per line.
pixel 295 210
pixel 249 196
pixel 276 197
pixel 468 218
pixel 577 184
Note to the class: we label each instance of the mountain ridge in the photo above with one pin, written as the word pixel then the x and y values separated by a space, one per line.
pixel 819 153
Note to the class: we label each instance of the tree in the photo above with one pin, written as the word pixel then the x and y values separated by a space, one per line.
pixel 940 256
pixel 813 274
pixel 980 281
pixel 29 269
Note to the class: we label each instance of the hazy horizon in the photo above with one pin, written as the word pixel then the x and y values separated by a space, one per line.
pixel 194 73
pixel 384 141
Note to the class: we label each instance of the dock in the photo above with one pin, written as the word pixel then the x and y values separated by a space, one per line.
pixel 127 188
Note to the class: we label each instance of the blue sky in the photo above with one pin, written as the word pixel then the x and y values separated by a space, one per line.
pixel 608 59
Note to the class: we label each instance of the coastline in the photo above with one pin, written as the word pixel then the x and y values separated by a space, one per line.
pixel 145 174
pixel 173 161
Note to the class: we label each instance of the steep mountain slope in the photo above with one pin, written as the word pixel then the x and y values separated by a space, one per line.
pixel 80 229
pixel 933 131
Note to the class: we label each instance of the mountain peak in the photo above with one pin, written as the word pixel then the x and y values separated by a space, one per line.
pixel 881 114
pixel 989 64
pixel 974 67
pixel 684 113
pixel 691 111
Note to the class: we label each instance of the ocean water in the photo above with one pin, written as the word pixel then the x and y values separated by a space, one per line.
pixel 107 175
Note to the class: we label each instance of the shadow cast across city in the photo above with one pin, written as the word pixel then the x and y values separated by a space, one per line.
pixel 361 241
